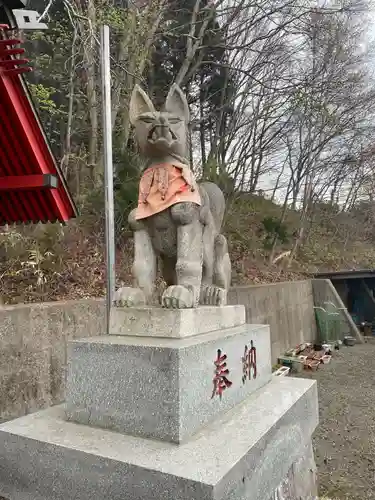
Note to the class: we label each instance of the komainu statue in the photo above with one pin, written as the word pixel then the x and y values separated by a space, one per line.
pixel 177 222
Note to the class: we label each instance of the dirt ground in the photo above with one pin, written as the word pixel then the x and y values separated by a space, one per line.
pixel 345 439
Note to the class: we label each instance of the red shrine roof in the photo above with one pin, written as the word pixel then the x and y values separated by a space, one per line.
pixel 32 187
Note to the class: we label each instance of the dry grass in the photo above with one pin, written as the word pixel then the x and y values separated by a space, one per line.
pixel 50 262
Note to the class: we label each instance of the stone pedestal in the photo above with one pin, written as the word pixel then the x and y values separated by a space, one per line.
pixel 161 388
pixel 184 417
pixel 175 323
pixel 244 455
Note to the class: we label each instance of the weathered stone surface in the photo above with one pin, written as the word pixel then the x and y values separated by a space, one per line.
pixel 300 481
pixel 33 350
pixel 159 322
pixel 161 388
pixel 244 455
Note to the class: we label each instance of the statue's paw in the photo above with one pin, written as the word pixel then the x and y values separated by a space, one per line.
pixel 129 297
pixel 177 297
pixel 213 296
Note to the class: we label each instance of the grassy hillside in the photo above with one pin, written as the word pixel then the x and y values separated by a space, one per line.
pixel 42 263
pixel 333 240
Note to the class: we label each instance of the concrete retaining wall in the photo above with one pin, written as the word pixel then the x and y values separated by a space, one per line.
pixel 33 341
pixel 287 307
pixel 33 338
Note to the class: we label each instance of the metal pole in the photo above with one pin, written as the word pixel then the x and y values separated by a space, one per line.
pixel 108 168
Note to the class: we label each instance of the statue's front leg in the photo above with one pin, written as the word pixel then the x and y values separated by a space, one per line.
pixel 185 293
pixel 144 269
pixel 215 292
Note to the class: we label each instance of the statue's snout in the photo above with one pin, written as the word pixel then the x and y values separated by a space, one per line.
pixel 161 135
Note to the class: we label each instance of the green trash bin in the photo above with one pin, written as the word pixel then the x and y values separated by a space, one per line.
pixel 329 324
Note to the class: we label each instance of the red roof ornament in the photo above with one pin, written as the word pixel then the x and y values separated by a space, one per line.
pixel 32 187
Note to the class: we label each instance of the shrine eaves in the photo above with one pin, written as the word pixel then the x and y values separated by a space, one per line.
pixel 32 187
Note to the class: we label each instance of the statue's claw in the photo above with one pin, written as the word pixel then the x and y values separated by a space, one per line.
pixel 177 297
pixel 213 296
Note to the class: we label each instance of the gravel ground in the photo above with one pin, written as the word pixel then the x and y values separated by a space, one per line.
pixel 345 439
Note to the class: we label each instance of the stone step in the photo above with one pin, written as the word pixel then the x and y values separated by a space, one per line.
pixel 245 454
pixel 164 388
pixel 175 323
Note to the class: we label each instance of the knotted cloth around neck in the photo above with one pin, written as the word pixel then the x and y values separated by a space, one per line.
pixel 162 186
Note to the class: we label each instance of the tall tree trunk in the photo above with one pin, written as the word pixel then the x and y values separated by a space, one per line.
pixel 92 98
pixel 281 220
pixel 202 136
pixel 69 122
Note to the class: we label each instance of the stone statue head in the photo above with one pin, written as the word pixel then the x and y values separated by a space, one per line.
pixel 160 134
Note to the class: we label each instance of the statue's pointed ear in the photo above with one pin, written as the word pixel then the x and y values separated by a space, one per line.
pixel 176 103
pixel 139 103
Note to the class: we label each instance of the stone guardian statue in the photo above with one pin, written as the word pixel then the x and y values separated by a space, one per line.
pixel 177 222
